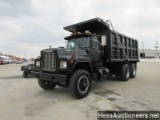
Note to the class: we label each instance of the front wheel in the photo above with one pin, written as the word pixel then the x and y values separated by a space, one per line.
pixel 25 74
pixel 46 85
pixel 80 83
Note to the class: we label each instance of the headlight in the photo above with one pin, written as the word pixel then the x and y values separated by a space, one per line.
pixel 63 64
pixel 37 63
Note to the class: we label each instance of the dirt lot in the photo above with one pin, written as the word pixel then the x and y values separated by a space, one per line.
pixel 22 98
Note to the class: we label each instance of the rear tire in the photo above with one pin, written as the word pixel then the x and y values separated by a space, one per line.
pixel 123 72
pixel 25 74
pixel 80 84
pixel 46 85
pixel 133 70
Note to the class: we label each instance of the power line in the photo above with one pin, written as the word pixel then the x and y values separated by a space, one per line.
pixel 156 46
pixel 143 46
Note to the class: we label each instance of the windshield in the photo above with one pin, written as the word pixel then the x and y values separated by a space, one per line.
pixel 78 42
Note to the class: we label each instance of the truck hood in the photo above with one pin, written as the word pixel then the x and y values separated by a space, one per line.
pixel 68 53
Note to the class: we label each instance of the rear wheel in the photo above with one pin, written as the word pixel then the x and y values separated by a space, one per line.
pixel 133 70
pixel 123 72
pixel 46 85
pixel 80 83
pixel 25 74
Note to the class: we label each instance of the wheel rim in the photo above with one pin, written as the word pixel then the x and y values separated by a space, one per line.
pixel 48 83
pixel 127 73
pixel 83 84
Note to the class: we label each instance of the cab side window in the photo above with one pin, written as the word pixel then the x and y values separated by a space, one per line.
pixel 96 45
pixel 99 46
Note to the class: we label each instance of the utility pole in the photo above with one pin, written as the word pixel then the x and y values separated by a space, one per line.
pixel 143 46
pixel 157 56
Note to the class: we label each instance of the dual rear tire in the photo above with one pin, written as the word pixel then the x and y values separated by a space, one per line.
pixel 126 71
pixel 133 70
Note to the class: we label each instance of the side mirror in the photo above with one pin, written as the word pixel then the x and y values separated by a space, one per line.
pixel 66 44
pixel 104 40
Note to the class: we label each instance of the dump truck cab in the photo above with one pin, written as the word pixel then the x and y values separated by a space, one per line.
pixel 88 43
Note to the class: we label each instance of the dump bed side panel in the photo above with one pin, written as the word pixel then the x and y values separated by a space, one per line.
pixel 129 45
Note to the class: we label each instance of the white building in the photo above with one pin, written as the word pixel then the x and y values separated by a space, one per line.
pixel 150 53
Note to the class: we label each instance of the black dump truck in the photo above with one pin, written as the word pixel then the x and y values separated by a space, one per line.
pixel 93 52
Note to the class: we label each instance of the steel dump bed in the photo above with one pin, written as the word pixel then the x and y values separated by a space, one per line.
pixel 119 49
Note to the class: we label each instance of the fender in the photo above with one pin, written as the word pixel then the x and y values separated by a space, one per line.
pixel 82 61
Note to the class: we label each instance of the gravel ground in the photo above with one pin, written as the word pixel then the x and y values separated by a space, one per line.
pixel 22 98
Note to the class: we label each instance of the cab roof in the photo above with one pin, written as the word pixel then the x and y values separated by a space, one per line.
pixel 93 25
pixel 76 36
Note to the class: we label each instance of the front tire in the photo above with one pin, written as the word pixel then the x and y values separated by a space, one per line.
pixel 46 85
pixel 25 74
pixel 80 84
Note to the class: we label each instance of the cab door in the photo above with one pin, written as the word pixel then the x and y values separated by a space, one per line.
pixel 97 53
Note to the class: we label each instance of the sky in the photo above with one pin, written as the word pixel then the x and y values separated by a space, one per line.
pixel 28 26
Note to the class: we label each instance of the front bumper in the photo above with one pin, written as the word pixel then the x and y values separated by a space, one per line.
pixel 26 68
pixel 50 77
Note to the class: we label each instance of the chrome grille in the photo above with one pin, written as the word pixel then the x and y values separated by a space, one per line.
pixel 49 62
